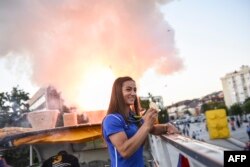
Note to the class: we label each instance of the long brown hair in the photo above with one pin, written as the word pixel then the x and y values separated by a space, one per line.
pixel 117 103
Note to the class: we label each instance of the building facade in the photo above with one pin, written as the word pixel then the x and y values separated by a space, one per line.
pixel 46 98
pixel 236 86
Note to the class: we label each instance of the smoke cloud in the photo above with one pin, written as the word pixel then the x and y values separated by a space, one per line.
pixel 64 38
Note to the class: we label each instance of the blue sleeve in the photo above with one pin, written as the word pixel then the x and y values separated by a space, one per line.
pixel 113 124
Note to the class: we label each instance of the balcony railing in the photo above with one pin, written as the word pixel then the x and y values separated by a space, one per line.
pixel 167 149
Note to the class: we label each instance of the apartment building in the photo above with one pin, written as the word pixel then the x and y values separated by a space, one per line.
pixel 46 98
pixel 236 86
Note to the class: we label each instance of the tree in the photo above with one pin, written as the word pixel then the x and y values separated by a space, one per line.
pixel 13 105
pixel 4 108
pixel 246 100
pixel 246 107
pixel 187 112
pixel 235 109
pixel 213 106
pixel 163 116
pixel 204 107
pixel 19 156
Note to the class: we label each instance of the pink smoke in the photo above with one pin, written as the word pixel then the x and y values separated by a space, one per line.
pixel 65 38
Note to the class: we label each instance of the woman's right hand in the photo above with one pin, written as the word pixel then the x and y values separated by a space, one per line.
pixel 150 118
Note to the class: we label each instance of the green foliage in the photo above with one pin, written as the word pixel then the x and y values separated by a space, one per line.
pixel 212 106
pixel 4 108
pixel 246 107
pixel 163 116
pixel 12 106
pixel 235 109
pixel 246 100
pixel 19 156
pixel 18 99
pixel 204 107
pixel 187 112
pixel 144 104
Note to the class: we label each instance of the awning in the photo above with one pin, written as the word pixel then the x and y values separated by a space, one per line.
pixel 72 134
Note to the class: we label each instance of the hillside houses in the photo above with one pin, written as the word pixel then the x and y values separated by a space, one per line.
pixel 193 106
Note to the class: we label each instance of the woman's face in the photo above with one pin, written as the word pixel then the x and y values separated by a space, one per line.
pixel 129 92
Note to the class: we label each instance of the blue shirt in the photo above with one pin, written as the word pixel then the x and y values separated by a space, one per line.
pixel 114 123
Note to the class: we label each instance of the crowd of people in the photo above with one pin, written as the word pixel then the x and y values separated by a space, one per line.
pixel 248 133
pixel 235 123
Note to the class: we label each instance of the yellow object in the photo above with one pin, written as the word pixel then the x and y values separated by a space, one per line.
pixel 217 124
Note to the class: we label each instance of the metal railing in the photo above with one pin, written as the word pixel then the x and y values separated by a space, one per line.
pixel 166 150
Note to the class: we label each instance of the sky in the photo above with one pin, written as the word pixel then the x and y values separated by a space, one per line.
pixel 175 49
pixel 213 38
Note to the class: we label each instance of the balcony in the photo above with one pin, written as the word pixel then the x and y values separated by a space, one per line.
pixel 164 151
pixel 167 149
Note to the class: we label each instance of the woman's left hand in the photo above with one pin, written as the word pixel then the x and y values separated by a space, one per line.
pixel 171 129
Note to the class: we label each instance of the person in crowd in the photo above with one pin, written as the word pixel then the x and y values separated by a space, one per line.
pixel 247 147
pixel 188 125
pixel 248 131
pixel 187 131
pixel 124 130
pixel 232 124
pixel 178 127
pixel 194 135
pixel 62 159
pixel 184 131
pixel 238 122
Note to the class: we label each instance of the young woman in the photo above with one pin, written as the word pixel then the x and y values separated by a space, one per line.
pixel 123 130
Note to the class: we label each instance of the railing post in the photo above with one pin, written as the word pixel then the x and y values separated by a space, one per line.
pixel 165 156
pixel 159 151
pixel 165 151
pixel 31 155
